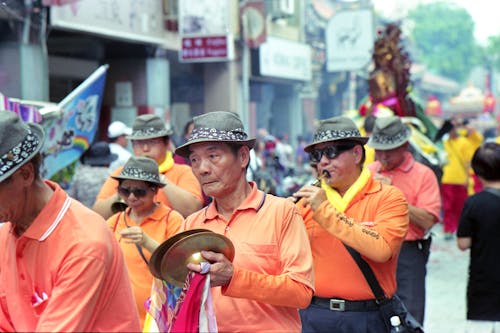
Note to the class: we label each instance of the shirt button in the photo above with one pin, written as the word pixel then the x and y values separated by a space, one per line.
pixel 22 276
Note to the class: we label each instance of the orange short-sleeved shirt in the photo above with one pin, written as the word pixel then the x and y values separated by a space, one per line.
pixel 382 208
pixel 162 224
pixel 72 261
pixel 419 185
pixel 180 175
pixel 273 274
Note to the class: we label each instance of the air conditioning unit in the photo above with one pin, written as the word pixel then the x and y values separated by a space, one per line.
pixel 282 8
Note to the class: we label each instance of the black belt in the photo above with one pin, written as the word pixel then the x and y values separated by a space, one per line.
pixel 335 304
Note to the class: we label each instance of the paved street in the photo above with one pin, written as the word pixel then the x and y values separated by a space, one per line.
pixel 446 283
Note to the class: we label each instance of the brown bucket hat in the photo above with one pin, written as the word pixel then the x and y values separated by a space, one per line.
pixel 389 133
pixel 216 126
pixel 19 142
pixel 334 129
pixel 149 126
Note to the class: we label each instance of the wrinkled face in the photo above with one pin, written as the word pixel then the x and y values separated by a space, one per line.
pixel 392 158
pixel 217 167
pixel 14 194
pixel 343 168
pixel 155 148
pixel 138 195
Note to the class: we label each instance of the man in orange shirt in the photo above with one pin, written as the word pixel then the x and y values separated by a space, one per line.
pixel 150 138
pixel 271 275
pixel 350 208
pixel 396 166
pixel 61 268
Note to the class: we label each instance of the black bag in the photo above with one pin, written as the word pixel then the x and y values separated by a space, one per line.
pixel 395 307
pixel 388 307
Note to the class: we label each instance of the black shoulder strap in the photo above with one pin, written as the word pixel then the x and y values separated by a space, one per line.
pixel 368 273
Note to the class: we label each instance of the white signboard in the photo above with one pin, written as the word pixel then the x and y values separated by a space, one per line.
pixel 140 20
pixel 349 40
pixel 205 31
pixel 285 59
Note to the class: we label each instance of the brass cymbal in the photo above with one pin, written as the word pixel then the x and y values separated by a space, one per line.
pixel 159 252
pixel 187 250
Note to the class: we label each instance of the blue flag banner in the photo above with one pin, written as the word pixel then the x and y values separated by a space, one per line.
pixel 71 129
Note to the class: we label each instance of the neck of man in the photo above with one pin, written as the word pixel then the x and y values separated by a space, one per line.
pixel 491 183
pixel 227 204
pixel 139 214
pixel 34 200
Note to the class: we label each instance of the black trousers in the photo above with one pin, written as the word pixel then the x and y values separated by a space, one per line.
pixel 410 276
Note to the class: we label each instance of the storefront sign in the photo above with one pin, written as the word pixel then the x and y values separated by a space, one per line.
pixel 205 48
pixel 349 40
pixel 205 31
pixel 285 59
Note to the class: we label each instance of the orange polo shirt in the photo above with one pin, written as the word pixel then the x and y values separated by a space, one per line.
pixel 419 185
pixel 273 274
pixel 162 224
pixel 70 259
pixel 180 175
pixel 377 225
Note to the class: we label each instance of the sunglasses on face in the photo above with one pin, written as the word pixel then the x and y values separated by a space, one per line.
pixel 138 192
pixel 330 152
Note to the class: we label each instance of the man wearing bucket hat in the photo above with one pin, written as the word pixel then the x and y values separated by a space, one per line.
pixel 395 165
pixel 271 274
pixel 352 209
pixel 143 225
pixel 151 138
pixel 61 269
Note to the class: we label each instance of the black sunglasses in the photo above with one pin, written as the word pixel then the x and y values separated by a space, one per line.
pixel 138 192
pixel 330 152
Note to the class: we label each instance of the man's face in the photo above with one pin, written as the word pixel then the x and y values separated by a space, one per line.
pixel 13 194
pixel 343 167
pixel 155 148
pixel 392 158
pixel 217 167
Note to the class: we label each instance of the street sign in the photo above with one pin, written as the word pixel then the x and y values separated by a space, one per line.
pixel 349 40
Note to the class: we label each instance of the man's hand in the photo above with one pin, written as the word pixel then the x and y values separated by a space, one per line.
pixel 383 179
pixel 221 269
pixel 312 195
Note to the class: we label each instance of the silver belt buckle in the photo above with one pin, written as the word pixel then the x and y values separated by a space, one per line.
pixel 337 304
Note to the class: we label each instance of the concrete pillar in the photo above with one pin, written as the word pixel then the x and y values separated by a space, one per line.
pixel 158 86
pixel 34 73
pixel 221 86
pixel 24 71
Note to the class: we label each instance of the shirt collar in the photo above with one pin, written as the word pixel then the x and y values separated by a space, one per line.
pixel 252 201
pixel 50 216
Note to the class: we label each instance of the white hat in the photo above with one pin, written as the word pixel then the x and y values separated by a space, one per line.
pixel 117 128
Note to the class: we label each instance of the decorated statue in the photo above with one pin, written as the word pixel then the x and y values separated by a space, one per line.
pixel 390 94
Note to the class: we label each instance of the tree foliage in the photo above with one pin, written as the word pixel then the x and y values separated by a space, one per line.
pixel 443 37
pixel 492 52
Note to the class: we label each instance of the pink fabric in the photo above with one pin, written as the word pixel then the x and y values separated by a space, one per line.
pixel 454 197
pixel 187 319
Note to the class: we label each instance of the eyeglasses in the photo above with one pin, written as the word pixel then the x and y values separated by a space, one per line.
pixel 149 142
pixel 330 152
pixel 138 192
